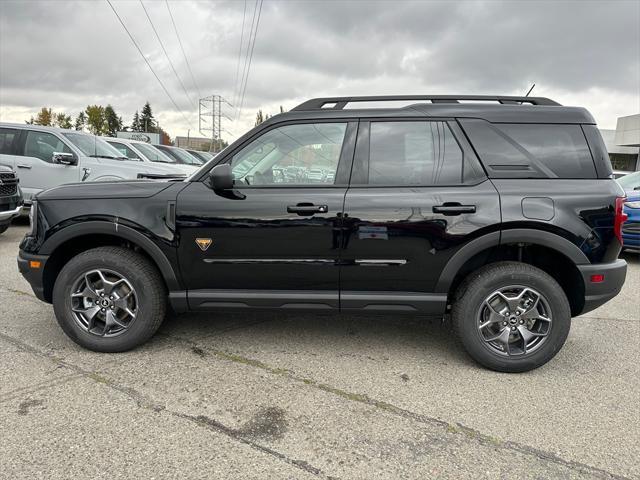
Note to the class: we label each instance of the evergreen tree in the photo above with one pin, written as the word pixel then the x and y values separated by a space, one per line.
pixel 147 122
pixel 81 121
pixel 113 121
pixel 135 123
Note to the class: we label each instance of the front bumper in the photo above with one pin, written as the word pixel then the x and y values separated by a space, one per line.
pixel 9 215
pixel 597 294
pixel 32 269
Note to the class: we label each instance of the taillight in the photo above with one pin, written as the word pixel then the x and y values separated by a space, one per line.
pixel 620 218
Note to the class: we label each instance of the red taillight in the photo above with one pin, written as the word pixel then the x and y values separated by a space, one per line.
pixel 620 218
pixel 597 278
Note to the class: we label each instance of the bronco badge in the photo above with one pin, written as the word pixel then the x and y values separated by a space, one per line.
pixel 204 243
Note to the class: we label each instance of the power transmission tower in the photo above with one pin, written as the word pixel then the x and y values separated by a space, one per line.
pixel 210 116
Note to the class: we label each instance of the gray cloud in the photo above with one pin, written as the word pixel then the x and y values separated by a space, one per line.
pixel 70 54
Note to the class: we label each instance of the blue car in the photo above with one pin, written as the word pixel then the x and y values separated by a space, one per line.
pixel 631 227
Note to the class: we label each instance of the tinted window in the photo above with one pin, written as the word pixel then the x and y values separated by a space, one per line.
pixel 292 154
pixel 531 150
pixel 125 150
pixel 43 145
pixel 9 141
pixel 414 153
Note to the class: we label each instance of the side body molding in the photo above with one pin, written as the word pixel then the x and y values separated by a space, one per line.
pixel 115 230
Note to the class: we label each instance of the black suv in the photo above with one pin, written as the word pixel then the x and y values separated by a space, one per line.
pixel 498 211
pixel 10 197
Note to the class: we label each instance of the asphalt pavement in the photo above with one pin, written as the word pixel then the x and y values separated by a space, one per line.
pixel 272 395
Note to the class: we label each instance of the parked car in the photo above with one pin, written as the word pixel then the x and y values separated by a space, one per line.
pixel 631 226
pixel 10 197
pixel 180 155
pixel 204 156
pixel 503 216
pixel 47 157
pixel 145 152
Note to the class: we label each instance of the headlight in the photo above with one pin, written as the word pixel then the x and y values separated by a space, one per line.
pixel 33 219
pixel 632 204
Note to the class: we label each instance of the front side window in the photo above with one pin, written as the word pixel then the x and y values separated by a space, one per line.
pixel 291 154
pixel 43 145
pixel 414 153
pixel 124 150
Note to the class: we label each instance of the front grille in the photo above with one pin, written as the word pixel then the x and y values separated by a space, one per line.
pixel 631 227
pixel 8 184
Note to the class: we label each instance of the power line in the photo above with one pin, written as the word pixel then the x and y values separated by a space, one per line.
pixel 250 56
pixel 175 29
pixel 235 82
pixel 167 55
pixel 148 64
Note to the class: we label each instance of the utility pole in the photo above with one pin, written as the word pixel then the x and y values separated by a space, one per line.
pixel 210 117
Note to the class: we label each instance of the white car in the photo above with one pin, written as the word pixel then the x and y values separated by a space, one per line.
pixel 46 157
pixel 145 152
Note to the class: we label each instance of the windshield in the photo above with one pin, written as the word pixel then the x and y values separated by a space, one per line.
pixel 631 181
pixel 182 156
pixel 93 146
pixel 153 154
pixel 204 156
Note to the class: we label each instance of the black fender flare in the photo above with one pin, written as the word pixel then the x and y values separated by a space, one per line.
pixel 494 239
pixel 113 229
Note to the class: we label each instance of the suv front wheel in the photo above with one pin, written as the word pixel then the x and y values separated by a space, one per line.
pixel 511 316
pixel 109 299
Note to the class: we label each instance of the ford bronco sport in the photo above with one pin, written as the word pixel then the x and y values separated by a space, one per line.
pixel 499 212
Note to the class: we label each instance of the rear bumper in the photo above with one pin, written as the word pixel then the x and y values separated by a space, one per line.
pixel 33 275
pixel 597 294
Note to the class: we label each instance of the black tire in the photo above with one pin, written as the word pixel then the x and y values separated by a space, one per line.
pixel 4 227
pixel 470 299
pixel 139 272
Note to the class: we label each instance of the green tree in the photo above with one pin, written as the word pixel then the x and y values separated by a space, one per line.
pixel 147 122
pixel 81 121
pixel 135 122
pixel 62 121
pixel 113 121
pixel 44 117
pixel 96 120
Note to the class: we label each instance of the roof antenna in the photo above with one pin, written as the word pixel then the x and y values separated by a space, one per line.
pixel 530 90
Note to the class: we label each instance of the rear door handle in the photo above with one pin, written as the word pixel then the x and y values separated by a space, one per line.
pixel 22 165
pixel 453 208
pixel 307 209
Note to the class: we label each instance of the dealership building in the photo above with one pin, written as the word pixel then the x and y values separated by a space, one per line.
pixel 623 143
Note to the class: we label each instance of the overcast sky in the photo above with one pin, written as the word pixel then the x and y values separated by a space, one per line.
pixel 69 54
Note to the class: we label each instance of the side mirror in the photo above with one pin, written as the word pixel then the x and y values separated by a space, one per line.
pixel 221 177
pixel 64 158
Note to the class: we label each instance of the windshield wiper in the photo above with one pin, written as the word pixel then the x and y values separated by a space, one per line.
pixel 105 156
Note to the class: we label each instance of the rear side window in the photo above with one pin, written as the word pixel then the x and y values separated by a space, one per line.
pixel 414 153
pixel 9 139
pixel 531 150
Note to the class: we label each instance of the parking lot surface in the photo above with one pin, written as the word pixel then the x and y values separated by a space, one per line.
pixel 268 395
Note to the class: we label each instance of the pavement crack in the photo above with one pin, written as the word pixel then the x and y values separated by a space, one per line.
pixel 451 428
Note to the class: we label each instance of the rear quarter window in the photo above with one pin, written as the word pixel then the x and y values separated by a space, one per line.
pixel 519 150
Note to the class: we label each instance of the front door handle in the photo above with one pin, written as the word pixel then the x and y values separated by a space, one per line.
pixel 22 165
pixel 453 208
pixel 303 209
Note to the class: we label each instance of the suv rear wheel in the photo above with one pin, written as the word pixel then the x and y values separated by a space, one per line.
pixel 109 299
pixel 511 317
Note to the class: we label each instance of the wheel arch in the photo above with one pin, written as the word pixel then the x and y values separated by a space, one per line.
pixel 74 239
pixel 551 253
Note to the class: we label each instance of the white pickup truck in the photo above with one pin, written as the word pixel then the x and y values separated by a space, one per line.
pixel 46 157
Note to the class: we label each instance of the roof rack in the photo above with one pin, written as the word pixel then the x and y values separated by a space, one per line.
pixel 339 103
